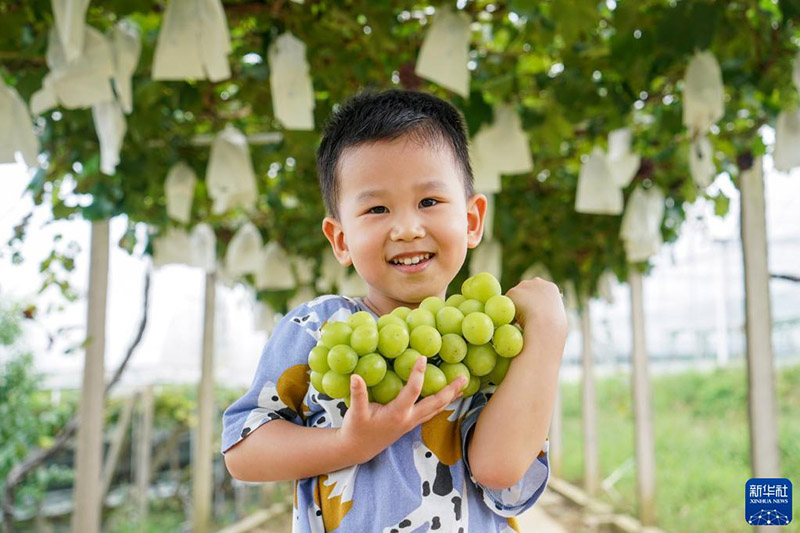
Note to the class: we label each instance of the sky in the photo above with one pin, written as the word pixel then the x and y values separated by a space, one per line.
pixel 693 298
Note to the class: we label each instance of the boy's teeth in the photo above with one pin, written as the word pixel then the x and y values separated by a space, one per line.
pixel 411 260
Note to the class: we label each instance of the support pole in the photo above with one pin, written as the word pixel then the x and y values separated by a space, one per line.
pixel 89 447
pixel 144 449
pixel 762 402
pixel 642 409
pixel 589 408
pixel 202 460
pixel 556 449
pixel 117 441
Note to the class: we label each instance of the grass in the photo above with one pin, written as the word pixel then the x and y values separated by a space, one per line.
pixel 702 444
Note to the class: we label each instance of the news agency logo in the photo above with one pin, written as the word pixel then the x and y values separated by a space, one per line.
pixel 768 501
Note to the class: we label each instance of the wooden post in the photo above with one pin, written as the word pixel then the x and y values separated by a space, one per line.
pixel 144 447
pixel 556 439
pixel 239 495
pixel 89 447
pixel 643 412
pixel 266 494
pixel 117 441
pixel 762 403
pixel 589 408
pixel 202 459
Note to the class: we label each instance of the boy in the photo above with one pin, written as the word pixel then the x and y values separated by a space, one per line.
pixel 395 175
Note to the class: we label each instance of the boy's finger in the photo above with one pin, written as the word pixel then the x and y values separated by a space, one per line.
pixel 410 392
pixel 358 395
pixel 430 406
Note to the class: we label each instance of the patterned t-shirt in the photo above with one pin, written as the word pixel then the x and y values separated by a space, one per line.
pixel 422 482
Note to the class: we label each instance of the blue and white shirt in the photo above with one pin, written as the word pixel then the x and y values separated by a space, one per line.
pixel 422 482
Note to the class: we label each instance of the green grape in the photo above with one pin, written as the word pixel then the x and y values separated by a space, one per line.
pixel 400 312
pixel 472 387
pixel 498 372
pixel 471 306
pixel 372 368
pixel 448 320
pixel 318 359
pixel 432 304
pixel 385 320
pixel 364 339
pixel 361 318
pixel 388 389
pixel 477 328
pixel 392 340
pixel 342 359
pixel 434 380
pixel 454 348
pixel 426 340
pixel 466 288
pixel 500 309
pixel 484 286
pixel 480 359
pixel 334 333
pixel 316 380
pixel 404 364
pixel 453 370
pixel 420 317
pixel 455 300
pixel 507 341
pixel 336 385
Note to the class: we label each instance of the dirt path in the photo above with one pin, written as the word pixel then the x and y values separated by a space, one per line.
pixel 555 514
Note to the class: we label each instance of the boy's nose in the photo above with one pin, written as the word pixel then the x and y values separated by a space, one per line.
pixel 407 228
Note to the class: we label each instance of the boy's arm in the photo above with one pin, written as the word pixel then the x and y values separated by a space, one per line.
pixel 281 451
pixel 512 428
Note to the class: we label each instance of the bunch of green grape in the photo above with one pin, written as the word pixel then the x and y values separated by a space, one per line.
pixel 471 334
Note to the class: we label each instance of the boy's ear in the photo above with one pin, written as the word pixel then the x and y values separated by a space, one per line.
pixel 476 212
pixel 335 234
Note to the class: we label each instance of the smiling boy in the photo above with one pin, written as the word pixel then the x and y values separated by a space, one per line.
pixel 395 175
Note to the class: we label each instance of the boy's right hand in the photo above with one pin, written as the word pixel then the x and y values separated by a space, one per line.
pixel 369 428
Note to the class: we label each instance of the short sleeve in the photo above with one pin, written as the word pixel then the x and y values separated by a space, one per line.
pixel 281 379
pixel 521 496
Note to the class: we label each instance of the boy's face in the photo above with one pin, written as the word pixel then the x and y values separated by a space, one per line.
pixel 402 199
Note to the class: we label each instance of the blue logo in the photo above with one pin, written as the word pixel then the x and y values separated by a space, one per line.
pixel 768 501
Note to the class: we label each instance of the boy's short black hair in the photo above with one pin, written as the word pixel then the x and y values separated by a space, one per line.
pixel 385 116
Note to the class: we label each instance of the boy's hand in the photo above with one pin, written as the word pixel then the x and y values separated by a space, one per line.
pixel 539 304
pixel 369 428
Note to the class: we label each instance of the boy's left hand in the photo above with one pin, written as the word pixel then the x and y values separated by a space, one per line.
pixel 539 304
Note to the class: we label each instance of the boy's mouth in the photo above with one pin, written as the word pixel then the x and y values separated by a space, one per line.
pixel 412 264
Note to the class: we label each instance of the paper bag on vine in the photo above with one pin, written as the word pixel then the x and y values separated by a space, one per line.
pixel 444 53
pixel 193 43
pixel 174 247
pixel 16 128
pixel 230 178
pixel 622 163
pixel 204 247
pixel 641 224
pixel 597 193
pixel 244 251
pixel 274 274
pixel 703 93
pixel 179 190
pixel 787 141
pixel 290 83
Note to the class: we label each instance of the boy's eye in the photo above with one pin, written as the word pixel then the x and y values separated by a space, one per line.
pixel 429 200
pixel 372 210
